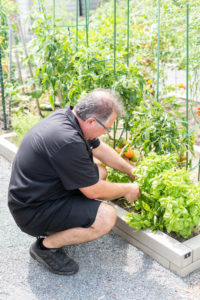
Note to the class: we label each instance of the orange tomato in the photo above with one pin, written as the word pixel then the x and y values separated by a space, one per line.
pixel 181 86
pixel 129 152
pixel 183 159
pixel 148 81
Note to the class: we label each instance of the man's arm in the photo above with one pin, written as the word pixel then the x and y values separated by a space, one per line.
pixel 111 158
pixel 105 190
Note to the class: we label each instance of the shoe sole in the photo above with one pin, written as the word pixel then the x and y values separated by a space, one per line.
pixel 38 259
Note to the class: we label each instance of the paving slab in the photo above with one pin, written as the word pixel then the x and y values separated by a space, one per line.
pixel 110 268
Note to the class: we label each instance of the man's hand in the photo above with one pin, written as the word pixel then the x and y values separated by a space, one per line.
pixel 133 192
pixel 131 175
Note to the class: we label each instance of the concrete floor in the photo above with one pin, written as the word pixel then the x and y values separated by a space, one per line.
pixel 110 268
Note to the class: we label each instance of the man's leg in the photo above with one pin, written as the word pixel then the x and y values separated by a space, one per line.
pixel 49 251
pixel 104 222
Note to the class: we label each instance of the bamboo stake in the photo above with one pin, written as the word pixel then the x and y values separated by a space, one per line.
pixel 29 64
pixel 10 49
pixel 19 71
pixel 2 96
pixel 10 67
pixel 2 90
pixel 158 53
pixel 60 97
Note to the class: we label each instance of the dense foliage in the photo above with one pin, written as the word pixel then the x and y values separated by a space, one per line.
pixel 169 200
pixel 74 68
pixel 68 72
pixel 22 123
pixel 67 66
pixel 155 129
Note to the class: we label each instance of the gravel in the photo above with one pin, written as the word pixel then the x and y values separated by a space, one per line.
pixel 110 268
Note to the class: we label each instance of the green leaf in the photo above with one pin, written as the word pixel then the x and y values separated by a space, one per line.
pixel 51 101
pixel 36 93
pixel 146 206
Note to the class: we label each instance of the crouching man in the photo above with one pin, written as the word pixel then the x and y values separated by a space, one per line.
pixel 55 184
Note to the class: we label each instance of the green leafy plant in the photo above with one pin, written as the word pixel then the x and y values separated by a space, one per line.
pixel 117 176
pixel 154 129
pixel 22 123
pixel 169 200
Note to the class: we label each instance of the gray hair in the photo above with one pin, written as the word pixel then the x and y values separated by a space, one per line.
pixel 100 104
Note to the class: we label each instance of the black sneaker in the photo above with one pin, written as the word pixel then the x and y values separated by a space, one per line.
pixel 56 260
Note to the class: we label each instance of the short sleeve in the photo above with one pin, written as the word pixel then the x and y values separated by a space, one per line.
pixel 94 143
pixel 74 166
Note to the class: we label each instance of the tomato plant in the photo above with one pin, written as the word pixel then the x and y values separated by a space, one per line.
pixel 154 129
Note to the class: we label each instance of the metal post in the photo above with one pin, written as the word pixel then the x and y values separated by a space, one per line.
pixel 88 14
pixel 80 8
pixel 128 30
pixel 158 53
pixel 115 33
pixel 77 24
pixel 54 16
pixel 86 22
pixel 115 27
pixel 187 77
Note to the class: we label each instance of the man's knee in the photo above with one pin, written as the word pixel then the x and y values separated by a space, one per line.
pixel 105 219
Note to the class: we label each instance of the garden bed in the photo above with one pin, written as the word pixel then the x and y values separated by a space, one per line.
pixel 7 148
pixel 180 257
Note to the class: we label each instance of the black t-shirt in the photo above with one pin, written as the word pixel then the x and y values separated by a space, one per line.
pixel 53 160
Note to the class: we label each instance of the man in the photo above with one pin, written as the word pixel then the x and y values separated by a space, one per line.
pixel 55 184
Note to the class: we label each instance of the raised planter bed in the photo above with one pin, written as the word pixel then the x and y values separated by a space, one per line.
pixel 180 257
pixel 7 148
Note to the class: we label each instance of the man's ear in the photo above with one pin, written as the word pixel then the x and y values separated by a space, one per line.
pixel 90 120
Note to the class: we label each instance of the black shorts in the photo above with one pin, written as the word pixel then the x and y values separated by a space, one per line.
pixel 75 211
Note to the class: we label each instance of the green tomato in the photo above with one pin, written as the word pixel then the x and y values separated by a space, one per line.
pixel 136 155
